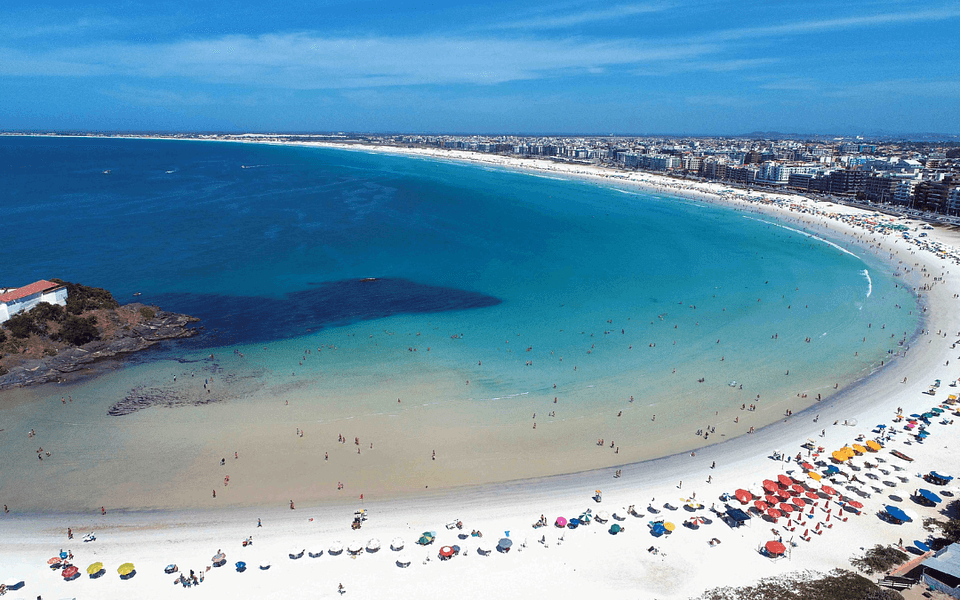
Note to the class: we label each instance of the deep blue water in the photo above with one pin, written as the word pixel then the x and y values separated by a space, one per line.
pixel 270 242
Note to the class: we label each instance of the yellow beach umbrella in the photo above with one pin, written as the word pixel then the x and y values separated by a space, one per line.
pixel 669 526
pixel 814 475
pixel 859 449
pixel 95 568
pixel 873 445
pixel 839 455
pixel 125 568
pixel 848 451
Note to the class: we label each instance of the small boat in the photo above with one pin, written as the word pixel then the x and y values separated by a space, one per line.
pixel 368 279
pixel 899 454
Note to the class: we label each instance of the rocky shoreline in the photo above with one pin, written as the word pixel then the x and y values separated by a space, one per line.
pixel 77 361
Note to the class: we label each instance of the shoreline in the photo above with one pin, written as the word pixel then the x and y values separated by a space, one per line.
pixel 742 461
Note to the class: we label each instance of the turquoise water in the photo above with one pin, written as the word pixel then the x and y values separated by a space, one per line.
pixel 528 287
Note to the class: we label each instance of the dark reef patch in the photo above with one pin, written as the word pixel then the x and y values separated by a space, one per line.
pixel 243 319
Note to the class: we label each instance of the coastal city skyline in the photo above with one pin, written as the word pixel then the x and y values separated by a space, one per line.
pixel 705 68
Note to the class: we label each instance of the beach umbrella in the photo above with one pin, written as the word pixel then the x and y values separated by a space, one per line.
pixel 446 551
pixel 839 455
pixel 761 505
pixel 807 466
pixel 615 529
pixel 70 572
pixel 14 583
pixel 776 514
pixel 63 555
pixel 125 569
pixel 859 449
pixel 874 445
pixel 812 495
pixel 94 568
pixel 743 496
pixel 784 480
pixel 373 545
pixel 56 560
pixel 930 496
pixel 241 566
pixel 797 488
pixel 669 526
pixel 936 409
pixel 897 514
pixel 354 548
pixel 770 485
pixel 335 548
pixel 397 544
pixel 828 490
pixel 657 530
pixel 561 522
pixel 603 515
pixel 775 548
pixel 922 547
pixel 504 543
pixel 771 499
pixel 800 502
pixel 855 504
pixel 786 508
pixel 403 559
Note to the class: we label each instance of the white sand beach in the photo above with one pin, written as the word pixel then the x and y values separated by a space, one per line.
pixel 586 560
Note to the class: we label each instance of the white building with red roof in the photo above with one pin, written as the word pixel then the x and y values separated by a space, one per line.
pixel 18 300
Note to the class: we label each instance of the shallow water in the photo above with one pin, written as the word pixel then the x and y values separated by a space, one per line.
pixel 510 282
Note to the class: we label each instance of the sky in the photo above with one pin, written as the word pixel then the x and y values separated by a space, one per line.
pixel 685 67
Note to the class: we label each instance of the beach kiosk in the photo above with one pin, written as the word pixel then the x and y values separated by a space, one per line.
pixel 942 571
pixel 736 517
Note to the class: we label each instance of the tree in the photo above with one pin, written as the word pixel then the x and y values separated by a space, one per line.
pixel 949 529
pixel 45 311
pixel 21 325
pixel 78 331
pixel 81 298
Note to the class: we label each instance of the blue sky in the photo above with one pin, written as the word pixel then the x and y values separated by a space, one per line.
pixel 566 67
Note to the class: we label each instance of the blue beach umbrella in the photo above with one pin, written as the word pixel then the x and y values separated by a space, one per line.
pixel 241 566
pixel 897 514
pixel 921 546
pixel 658 529
pixel 930 496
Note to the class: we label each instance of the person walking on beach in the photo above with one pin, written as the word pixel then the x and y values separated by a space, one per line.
pixel 259 523
pixel 103 510
pixel 292 507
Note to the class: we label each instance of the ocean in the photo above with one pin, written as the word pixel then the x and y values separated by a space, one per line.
pixel 504 320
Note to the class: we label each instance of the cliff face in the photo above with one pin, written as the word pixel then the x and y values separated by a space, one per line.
pixel 122 330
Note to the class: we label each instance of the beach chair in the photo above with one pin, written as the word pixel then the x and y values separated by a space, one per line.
pixel 806 535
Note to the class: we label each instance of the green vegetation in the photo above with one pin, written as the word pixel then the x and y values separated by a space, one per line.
pixel 44 311
pixel 3 336
pixel 839 584
pixel 949 530
pixel 21 325
pixel 147 313
pixel 81 298
pixel 879 559
pixel 78 331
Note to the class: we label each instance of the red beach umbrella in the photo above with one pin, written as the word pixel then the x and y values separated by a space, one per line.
pixel 761 505
pixel 771 486
pixel 800 502
pixel 784 480
pixel 855 504
pixel 786 508
pixel 743 496
pixel 807 466
pixel 797 488
pixel 70 571
pixel 812 495
pixel 776 514
pixel 446 551
pixel 775 548
pixel 771 499
pixel 828 490
pixel 56 560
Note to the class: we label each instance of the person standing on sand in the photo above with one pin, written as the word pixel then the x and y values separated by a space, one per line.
pixel 292 507
pixel 103 510
pixel 259 523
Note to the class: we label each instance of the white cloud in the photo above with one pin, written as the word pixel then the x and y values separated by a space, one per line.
pixel 556 19
pixel 308 61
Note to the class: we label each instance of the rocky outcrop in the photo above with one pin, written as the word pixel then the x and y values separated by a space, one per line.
pixel 122 340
